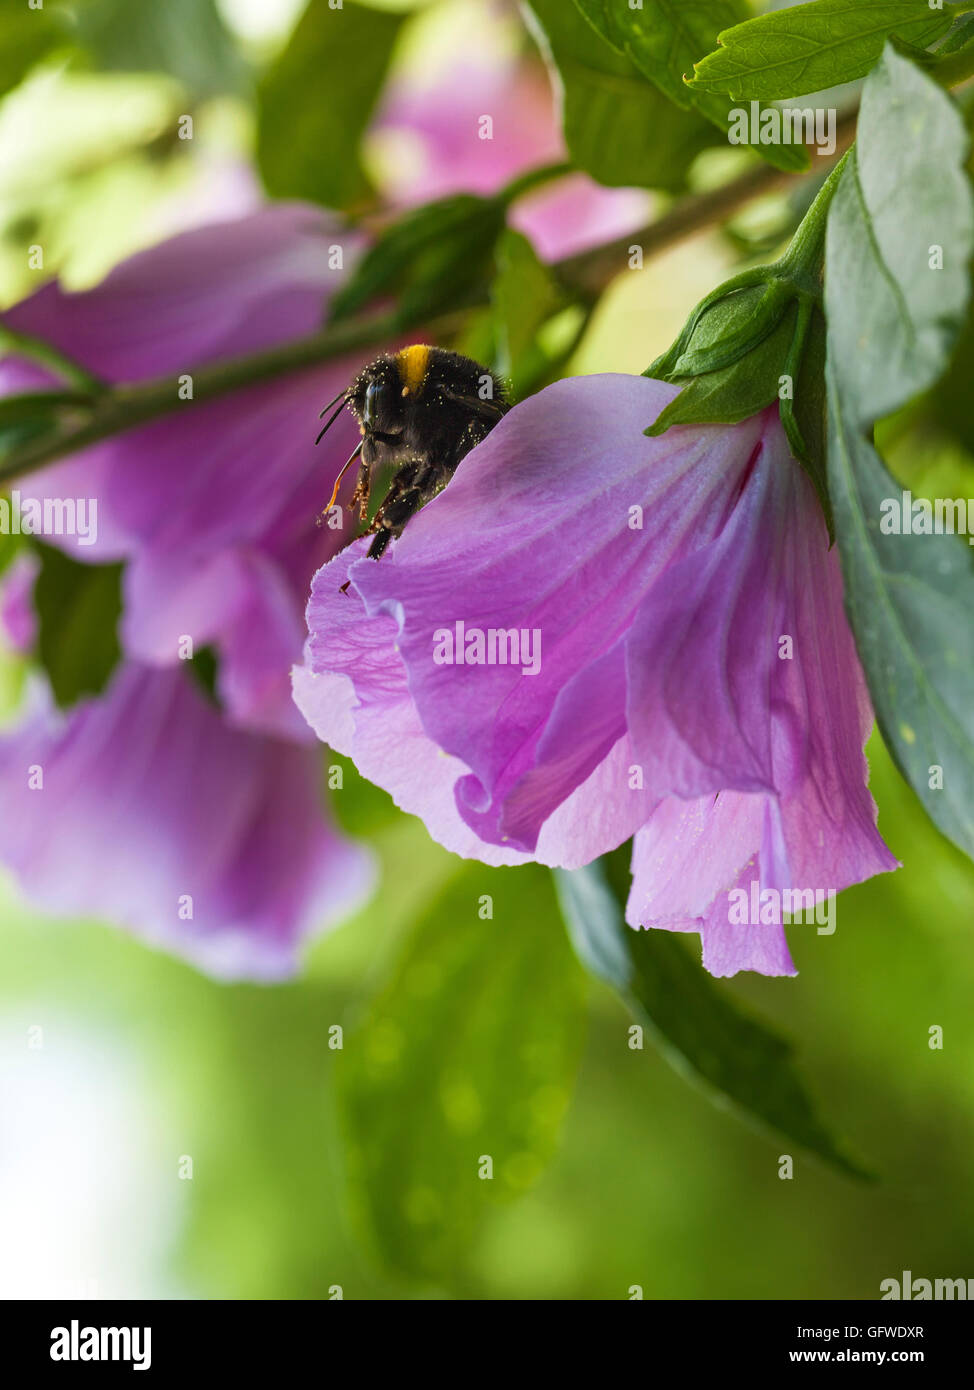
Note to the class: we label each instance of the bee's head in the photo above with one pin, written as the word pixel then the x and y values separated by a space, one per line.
pixel 384 390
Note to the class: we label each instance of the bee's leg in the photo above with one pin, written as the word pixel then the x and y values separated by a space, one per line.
pixel 377 548
pixel 365 453
pixel 363 487
pixel 392 516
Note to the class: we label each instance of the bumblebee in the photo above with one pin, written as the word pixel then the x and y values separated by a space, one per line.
pixel 420 410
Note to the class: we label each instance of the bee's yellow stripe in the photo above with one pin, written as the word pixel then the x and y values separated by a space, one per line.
pixel 413 362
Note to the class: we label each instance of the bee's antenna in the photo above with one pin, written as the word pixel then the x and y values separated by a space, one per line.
pixel 345 466
pixel 342 398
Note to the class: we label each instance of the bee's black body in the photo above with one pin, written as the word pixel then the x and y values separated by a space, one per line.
pixel 422 409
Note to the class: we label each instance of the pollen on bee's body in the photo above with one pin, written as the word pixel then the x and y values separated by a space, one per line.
pixel 413 362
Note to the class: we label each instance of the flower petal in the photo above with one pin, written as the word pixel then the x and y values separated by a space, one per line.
pixel 194 812
pixel 685 862
pixel 17 618
pixel 684 669
pixel 712 625
pixel 548 496
pixel 232 286
pixel 352 690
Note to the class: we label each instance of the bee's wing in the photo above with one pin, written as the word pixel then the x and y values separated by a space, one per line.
pixel 490 411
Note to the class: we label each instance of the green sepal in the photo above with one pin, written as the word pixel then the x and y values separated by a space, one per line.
pixel 758 338
pixel 741 339
pixel 766 343
pixel 805 417
pixel 737 391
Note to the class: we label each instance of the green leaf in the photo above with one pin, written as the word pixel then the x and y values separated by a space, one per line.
pixel 664 39
pixel 910 600
pixel 524 292
pixel 26 35
pixel 893 319
pixel 78 607
pixel 525 297
pixel 952 393
pixel 10 548
pixel 697 1026
pixel 204 668
pixel 432 258
pixel 476 1038
pixel 909 309
pixel 893 324
pixel 315 102
pixel 618 126
pixel 185 38
pixel 806 49
pixel 958 38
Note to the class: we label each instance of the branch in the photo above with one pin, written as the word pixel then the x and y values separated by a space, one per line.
pixel 124 407
pixel 592 270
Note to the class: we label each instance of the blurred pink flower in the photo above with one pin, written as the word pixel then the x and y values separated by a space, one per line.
pixel 18 620
pixel 441 148
pixel 149 793
pixel 213 506
pixel 144 807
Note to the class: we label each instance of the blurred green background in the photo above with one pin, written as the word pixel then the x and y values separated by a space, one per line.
pixel 143 1063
